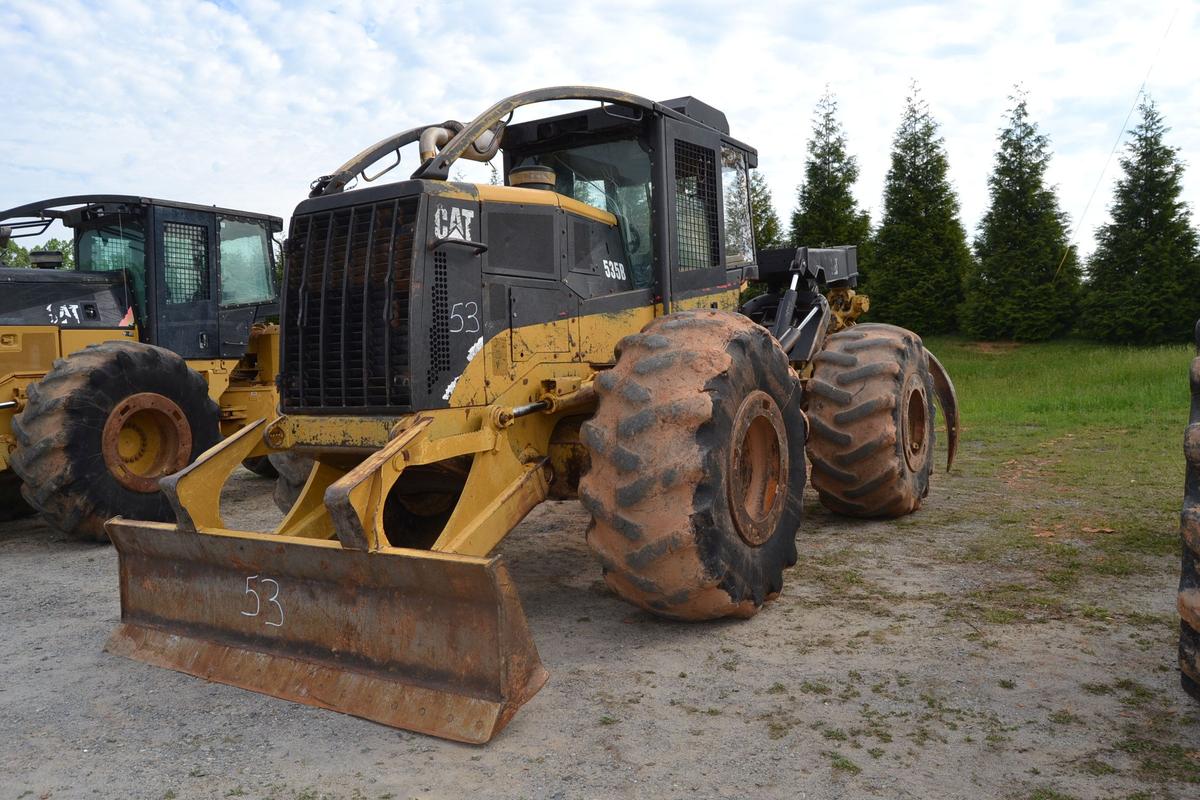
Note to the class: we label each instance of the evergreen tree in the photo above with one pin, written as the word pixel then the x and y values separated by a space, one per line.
pixel 921 254
pixel 1025 284
pixel 13 255
pixel 826 211
pixel 1144 275
pixel 767 229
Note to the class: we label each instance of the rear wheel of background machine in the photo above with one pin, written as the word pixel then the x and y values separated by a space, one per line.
pixel 870 405
pixel 293 470
pixel 697 467
pixel 261 466
pixel 100 430
pixel 12 504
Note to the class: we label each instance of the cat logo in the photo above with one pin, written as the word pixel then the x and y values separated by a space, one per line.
pixel 452 223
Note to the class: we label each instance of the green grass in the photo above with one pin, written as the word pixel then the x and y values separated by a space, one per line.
pixel 1050 389
pixel 1077 450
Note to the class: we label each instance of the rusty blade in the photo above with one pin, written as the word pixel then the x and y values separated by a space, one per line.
pixel 423 641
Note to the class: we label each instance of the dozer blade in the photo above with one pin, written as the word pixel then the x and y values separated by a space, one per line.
pixel 429 642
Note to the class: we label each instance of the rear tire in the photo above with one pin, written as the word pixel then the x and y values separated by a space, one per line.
pixel 870 404
pixel 697 467
pixel 102 427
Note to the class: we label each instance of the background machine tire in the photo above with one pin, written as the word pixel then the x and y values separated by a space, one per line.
pixel 1188 601
pixel 697 467
pixel 871 408
pixel 102 427
pixel 293 470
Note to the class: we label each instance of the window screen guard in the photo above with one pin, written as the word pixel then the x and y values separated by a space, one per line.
pixel 696 206
pixel 185 263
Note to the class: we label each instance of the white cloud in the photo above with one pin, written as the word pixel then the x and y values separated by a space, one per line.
pixel 244 103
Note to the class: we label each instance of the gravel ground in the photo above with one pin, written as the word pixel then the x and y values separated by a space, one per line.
pixel 878 673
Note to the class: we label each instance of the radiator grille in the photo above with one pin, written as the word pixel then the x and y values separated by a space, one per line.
pixel 346 311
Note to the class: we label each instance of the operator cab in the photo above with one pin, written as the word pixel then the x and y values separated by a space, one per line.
pixel 392 289
pixel 193 278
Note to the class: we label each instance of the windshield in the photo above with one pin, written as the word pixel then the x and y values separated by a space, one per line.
pixel 117 243
pixel 245 263
pixel 614 177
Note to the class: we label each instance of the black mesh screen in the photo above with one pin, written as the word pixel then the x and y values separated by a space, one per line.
pixel 522 242
pixel 185 262
pixel 346 314
pixel 696 206
pixel 439 331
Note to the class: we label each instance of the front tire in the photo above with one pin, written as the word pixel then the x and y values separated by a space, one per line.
pixel 102 427
pixel 697 467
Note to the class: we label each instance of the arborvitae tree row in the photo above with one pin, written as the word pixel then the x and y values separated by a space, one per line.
pixel 1144 285
pixel 767 230
pixel 921 254
pixel 826 211
pixel 1025 284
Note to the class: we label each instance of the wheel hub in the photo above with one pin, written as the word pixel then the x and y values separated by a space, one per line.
pixel 758 468
pixel 914 431
pixel 146 437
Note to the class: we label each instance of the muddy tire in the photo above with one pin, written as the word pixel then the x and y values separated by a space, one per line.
pixel 12 504
pixel 293 470
pixel 1189 623
pixel 697 467
pixel 1189 528
pixel 870 407
pixel 100 430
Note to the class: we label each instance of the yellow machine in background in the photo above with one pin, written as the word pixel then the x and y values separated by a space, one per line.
pixel 124 365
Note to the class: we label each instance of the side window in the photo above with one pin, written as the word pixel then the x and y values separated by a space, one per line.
pixel 116 246
pixel 185 263
pixel 739 235
pixel 696 206
pixel 245 263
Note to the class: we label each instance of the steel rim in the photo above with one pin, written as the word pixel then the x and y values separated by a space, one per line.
pixel 915 427
pixel 758 468
pixel 146 437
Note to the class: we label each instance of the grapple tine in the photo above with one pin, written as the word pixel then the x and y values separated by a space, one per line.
pixel 947 399
pixel 428 642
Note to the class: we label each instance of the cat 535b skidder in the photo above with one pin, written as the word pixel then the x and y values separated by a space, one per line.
pixel 453 354
pixel 128 366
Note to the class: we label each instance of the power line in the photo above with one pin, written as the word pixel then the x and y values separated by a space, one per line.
pixel 1120 135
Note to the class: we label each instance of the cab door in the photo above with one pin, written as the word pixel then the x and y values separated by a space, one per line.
pixel 695 244
pixel 186 308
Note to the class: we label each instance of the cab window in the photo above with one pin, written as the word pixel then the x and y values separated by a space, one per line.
pixel 739 235
pixel 615 177
pixel 119 244
pixel 245 263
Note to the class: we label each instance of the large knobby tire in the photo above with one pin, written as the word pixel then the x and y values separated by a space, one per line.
pixel 870 407
pixel 1189 619
pixel 697 467
pixel 103 427
pixel 1188 601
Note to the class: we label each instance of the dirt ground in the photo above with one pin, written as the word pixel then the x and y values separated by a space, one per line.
pixel 896 664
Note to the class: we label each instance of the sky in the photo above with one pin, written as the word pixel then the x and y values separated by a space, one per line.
pixel 243 104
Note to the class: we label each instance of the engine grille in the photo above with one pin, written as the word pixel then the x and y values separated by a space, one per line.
pixel 346 308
